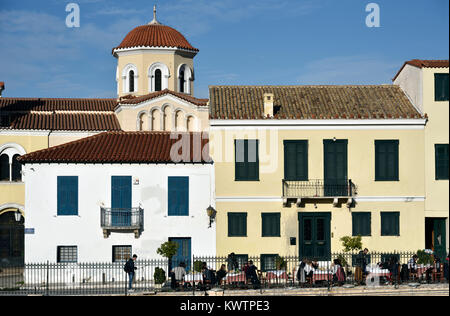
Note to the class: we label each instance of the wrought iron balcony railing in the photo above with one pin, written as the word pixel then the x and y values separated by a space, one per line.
pixel 315 189
pixel 114 219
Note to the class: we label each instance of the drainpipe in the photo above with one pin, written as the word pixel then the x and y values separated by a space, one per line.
pixel 51 130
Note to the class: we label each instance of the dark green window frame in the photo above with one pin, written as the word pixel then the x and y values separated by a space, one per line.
pixel 441 161
pixel 386 160
pixel 296 160
pixel 271 223
pixel 362 224
pixel 246 165
pixel 269 262
pixel 237 224
pixel 390 223
pixel 441 87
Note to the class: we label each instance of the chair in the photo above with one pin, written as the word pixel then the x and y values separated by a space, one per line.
pixel 437 274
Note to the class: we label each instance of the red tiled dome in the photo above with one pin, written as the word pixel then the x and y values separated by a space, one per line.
pixel 155 35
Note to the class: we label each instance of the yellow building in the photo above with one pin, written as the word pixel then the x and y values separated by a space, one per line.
pixel 426 83
pixel 299 167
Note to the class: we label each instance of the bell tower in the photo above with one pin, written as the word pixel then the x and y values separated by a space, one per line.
pixel 152 58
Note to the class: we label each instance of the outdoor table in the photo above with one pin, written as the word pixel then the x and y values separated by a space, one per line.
pixel 196 277
pixel 276 275
pixel 378 273
pixel 236 277
pixel 322 276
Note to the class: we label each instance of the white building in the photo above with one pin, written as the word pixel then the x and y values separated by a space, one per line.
pixel 105 197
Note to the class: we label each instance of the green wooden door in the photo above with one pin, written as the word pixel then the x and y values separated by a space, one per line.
pixel 440 247
pixel 315 236
pixel 335 168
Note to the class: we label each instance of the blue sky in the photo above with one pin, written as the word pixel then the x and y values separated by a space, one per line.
pixel 241 42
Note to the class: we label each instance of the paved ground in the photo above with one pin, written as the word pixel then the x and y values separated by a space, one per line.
pixel 404 290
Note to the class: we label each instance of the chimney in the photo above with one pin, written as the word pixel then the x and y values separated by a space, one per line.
pixel 2 87
pixel 268 104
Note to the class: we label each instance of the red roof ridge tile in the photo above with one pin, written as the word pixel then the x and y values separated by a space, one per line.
pixel 424 63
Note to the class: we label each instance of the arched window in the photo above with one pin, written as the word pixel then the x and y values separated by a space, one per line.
pixel 4 167
pixel 131 81
pixel 158 80
pixel 182 81
pixel 185 76
pixel 16 169
pixel 158 77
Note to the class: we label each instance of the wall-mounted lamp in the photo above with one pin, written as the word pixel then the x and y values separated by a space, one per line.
pixel 18 216
pixel 211 212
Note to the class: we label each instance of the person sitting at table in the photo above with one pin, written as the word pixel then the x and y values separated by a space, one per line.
pixel 394 269
pixel 301 274
pixel 338 272
pixel 178 274
pixel 309 271
pixel 412 266
pixel 252 274
pixel 245 268
pixel 221 274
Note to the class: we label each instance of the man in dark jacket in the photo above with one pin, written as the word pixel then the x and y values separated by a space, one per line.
pixel 130 270
pixel 252 274
pixel 361 266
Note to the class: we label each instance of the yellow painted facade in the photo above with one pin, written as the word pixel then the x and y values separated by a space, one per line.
pixel 265 196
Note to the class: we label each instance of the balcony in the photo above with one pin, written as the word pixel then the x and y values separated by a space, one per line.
pixel 319 190
pixel 122 220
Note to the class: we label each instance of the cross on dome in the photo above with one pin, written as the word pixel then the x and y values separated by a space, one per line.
pixel 155 21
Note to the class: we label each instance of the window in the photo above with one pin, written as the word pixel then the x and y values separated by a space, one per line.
pixel 67 196
pixel 296 160
pixel 241 260
pixel 237 224
pixel 178 197
pixel 67 254
pixel 441 87
pixel 271 224
pixel 4 167
pixel 158 80
pixel 121 253
pixel 441 165
pixel 131 81
pixel 268 262
pixel 361 223
pixel 182 81
pixel 386 160
pixel 16 169
pixel 247 160
pixel 390 224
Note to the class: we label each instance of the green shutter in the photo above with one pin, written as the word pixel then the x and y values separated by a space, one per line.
pixel 390 224
pixel 361 224
pixel 237 224
pixel 442 162
pixel 296 160
pixel 247 160
pixel 271 224
pixel 67 196
pixel 441 87
pixel 386 160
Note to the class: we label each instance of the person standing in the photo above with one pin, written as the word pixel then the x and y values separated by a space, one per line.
pixel 361 266
pixel 130 269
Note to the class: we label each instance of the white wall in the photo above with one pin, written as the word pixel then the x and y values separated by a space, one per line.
pixel 411 81
pixel 85 231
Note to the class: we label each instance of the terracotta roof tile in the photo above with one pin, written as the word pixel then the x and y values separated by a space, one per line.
pixel 59 114
pixel 421 63
pixel 186 97
pixel 126 147
pixel 312 102
pixel 155 35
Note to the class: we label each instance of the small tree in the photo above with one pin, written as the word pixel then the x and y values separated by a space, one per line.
pixel 352 243
pixel 168 249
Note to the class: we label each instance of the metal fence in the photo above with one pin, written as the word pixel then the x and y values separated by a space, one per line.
pixel 225 273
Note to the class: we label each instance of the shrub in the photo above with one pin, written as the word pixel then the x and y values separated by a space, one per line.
pixel 159 276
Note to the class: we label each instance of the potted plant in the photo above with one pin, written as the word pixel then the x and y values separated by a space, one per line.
pixel 280 263
pixel 350 245
pixel 166 250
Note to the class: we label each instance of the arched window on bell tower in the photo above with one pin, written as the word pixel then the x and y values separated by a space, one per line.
pixel 185 76
pixel 182 80
pixel 158 80
pixel 131 81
